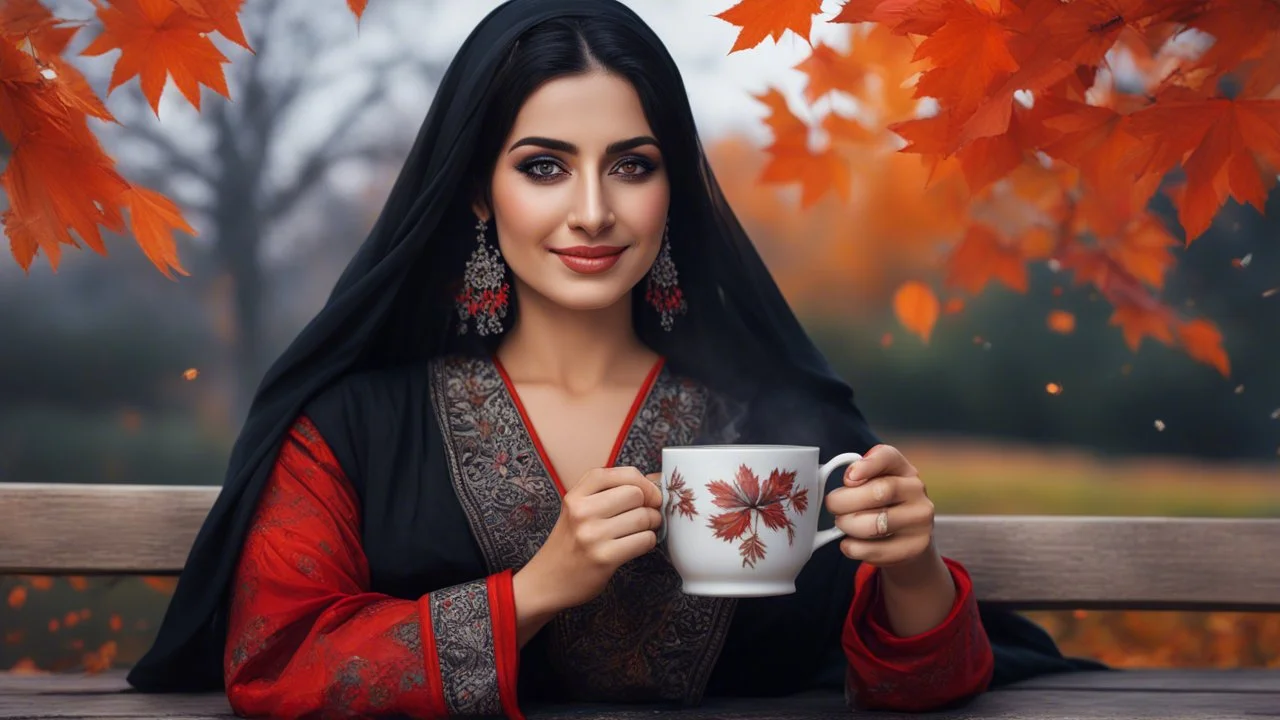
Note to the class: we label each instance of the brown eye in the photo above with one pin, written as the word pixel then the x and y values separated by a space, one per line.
pixel 634 167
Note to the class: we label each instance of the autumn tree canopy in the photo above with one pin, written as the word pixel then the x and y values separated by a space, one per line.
pixel 1054 123
pixel 1057 122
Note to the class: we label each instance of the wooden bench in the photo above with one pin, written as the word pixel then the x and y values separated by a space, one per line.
pixel 1040 562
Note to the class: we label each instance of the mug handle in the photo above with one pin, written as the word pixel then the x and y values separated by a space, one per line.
pixel 832 533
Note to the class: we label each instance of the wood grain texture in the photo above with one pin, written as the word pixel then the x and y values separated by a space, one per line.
pixel 1128 694
pixel 1028 562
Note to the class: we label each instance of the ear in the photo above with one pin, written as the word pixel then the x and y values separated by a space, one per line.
pixel 481 210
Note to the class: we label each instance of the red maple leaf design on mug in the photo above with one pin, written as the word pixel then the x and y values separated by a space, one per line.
pixel 680 497
pixel 748 502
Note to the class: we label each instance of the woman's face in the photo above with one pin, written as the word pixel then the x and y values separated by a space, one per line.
pixel 580 193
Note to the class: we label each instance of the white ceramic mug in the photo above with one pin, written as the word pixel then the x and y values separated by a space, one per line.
pixel 742 520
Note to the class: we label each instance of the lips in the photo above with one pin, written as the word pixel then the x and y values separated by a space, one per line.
pixel 589 259
pixel 590 251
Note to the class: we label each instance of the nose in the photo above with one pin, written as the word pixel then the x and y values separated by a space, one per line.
pixel 591 212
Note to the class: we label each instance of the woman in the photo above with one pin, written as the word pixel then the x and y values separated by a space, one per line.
pixel 439 504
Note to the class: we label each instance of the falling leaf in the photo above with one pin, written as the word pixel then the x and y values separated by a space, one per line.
pixel 17 597
pixel 759 19
pixel 190 374
pixel 78 583
pixel 40 582
pixel 1053 389
pixel 357 7
pixel 917 308
pixel 1061 322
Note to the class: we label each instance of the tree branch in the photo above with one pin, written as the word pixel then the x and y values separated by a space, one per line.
pixel 329 152
pixel 177 159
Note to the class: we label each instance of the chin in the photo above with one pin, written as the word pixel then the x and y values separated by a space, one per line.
pixel 587 299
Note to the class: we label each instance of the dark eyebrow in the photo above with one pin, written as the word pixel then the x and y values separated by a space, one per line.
pixel 562 146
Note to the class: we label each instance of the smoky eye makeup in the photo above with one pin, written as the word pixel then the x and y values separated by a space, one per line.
pixel 547 168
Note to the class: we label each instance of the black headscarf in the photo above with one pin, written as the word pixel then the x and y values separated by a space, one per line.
pixel 391 306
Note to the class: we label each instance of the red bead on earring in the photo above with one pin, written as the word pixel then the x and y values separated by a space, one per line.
pixel 663 291
pixel 485 291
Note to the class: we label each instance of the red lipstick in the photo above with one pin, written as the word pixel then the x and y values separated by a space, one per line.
pixel 589 259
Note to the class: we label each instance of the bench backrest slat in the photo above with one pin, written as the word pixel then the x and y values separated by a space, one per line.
pixel 1022 561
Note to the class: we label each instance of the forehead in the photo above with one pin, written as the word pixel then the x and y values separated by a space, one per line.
pixel 587 109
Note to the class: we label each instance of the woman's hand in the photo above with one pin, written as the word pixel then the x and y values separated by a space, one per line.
pixel 608 518
pixel 884 510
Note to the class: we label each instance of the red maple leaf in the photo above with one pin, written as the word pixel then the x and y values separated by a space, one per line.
pixel 770 18
pixel 158 39
pixel 747 502
pixel 680 497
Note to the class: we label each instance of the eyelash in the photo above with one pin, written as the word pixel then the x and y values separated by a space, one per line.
pixel 645 164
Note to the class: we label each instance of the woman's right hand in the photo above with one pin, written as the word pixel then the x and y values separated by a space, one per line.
pixel 611 516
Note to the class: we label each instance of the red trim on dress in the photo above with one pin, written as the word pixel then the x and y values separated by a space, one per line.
pixel 621 438
pixel 641 396
pixel 502 611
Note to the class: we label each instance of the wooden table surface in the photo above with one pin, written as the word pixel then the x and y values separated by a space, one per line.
pixel 1162 694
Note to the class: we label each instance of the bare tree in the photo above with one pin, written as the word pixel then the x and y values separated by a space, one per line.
pixel 318 93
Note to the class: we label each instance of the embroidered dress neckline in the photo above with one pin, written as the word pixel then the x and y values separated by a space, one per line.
pixel 636 404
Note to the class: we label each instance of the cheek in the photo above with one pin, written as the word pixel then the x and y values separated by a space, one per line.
pixel 646 210
pixel 527 213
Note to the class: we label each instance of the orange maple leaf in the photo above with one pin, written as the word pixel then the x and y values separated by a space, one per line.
pixel 828 69
pixel 770 18
pixel 1053 40
pixel 54 187
pixel 153 217
pixel 1203 343
pixel 157 39
pixel 917 308
pixel 982 256
pixel 970 55
pixel 357 7
pixel 792 161
pixel 1138 321
pixel 1242 29
pixel 224 15
pixel 1222 141
pixel 905 17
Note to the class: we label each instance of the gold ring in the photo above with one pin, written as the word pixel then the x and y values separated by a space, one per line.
pixel 882 523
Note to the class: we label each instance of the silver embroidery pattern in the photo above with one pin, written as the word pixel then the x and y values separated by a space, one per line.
pixel 642 638
pixel 506 493
pixel 463 630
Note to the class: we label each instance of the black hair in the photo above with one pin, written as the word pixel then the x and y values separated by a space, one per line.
pixel 574 45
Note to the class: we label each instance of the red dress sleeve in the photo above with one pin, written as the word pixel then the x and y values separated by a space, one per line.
pixel 923 672
pixel 306 637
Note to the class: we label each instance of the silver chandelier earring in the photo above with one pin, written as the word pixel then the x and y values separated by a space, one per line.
pixel 485 291
pixel 663 291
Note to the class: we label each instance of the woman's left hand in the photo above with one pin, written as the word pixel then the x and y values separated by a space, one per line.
pixel 883 509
